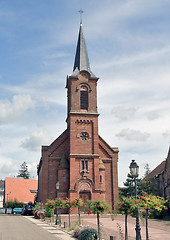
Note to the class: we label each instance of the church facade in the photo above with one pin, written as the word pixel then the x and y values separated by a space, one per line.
pixel 79 159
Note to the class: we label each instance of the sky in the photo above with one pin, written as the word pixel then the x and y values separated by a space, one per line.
pixel 128 43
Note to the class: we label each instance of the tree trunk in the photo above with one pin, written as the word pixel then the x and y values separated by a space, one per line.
pixel 98 226
pixel 126 232
pixel 69 222
pixel 79 215
pixel 146 217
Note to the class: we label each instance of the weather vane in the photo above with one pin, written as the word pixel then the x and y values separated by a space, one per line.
pixel 81 12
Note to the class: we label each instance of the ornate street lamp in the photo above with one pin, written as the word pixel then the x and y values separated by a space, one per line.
pixel 57 189
pixel 134 171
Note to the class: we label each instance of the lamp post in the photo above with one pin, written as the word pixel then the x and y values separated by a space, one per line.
pixel 134 171
pixel 57 189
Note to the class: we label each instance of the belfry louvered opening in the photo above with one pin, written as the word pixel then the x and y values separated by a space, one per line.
pixel 84 98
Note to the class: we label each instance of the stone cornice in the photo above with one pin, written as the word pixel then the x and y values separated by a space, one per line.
pixel 85 155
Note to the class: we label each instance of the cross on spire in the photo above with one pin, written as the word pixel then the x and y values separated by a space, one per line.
pixel 81 12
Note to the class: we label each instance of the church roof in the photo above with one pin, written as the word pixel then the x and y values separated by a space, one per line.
pixel 81 59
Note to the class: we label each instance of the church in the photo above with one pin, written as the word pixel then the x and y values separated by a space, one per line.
pixel 79 159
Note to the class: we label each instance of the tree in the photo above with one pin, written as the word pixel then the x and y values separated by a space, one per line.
pixel 147 170
pixel 150 186
pixel 98 206
pixel 23 172
pixel 151 202
pixel 124 207
pixel 129 187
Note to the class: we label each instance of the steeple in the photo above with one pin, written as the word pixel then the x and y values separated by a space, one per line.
pixel 81 59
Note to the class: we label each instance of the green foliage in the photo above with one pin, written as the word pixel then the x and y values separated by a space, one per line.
pixel 98 206
pixel 50 206
pixel 124 206
pixel 23 172
pixel 87 234
pixel 49 212
pixel 59 203
pixel 152 202
pixel 147 170
pixel 129 188
pixel 38 207
pixel 78 202
pixel 14 204
pixel 168 205
pixel 150 186
pixel 68 203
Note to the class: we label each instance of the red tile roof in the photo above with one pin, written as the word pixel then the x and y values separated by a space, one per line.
pixel 19 189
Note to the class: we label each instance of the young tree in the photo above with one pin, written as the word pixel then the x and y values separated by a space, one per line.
pixel 129 187
pixel 23 172
pixel 147 170
pixel 151 202
pixel 124 207
pixel 98 206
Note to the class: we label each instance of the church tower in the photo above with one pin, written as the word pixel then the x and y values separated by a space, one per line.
pixel 83 163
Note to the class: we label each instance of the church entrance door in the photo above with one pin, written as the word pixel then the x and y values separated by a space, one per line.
pixel 85 196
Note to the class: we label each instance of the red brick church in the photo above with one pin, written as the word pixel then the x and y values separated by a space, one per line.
pixel 79 159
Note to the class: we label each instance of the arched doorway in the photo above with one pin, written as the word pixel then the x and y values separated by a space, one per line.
pixel 85 195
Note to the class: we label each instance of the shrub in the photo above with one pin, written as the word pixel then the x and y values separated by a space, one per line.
pixel 49 212
pixel 87 234
pixel 14 204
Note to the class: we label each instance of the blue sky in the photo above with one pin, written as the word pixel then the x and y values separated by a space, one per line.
pixel 129 50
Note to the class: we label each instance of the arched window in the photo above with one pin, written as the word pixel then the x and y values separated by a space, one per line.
pixel 84 97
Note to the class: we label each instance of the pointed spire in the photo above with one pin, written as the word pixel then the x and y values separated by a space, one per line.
pixel 81 59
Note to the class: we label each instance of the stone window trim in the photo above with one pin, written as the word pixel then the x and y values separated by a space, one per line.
pixel 82 85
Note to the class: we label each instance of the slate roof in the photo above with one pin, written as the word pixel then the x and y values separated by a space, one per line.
pixel 81 58
pixel 158 170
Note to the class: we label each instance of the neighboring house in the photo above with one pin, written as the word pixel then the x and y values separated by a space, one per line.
pixel 166 176
pixel 2 191
pixel 162 174
pixel 20 189
pixel 80 159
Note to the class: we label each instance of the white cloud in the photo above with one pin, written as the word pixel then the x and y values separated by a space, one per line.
pixel 133 135
pixel 11 111
pixel 123 113
pixel 34 142
pixel 153 115
pixel 166 134
pixel 8 168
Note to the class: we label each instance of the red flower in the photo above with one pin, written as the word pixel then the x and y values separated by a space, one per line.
pixel 158 205
pixel 166 208
pixel 135 201
pixel 89 212
pixel 120 205
pixel 128 211
pixel 98 206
